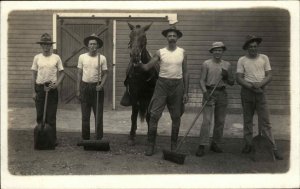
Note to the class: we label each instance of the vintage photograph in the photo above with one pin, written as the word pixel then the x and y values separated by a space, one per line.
pixel 94 94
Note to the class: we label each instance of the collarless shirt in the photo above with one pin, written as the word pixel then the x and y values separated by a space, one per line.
pixel 89 66
pixel 171 63
pixel 254 68
pixel 46 67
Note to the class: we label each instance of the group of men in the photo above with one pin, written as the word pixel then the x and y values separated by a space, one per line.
pixel 253 74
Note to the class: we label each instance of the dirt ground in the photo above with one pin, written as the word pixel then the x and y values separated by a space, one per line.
pixel 70 159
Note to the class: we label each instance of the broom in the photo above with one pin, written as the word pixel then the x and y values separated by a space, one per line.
pixel 179 158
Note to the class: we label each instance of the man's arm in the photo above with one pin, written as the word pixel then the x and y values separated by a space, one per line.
pixel 79 78
pixel 34 74
pixel 103 80
pixel 185 79
pixel 265 81
pixel 150 64
pixel 241 81
pixel 230 80
pixel 61 75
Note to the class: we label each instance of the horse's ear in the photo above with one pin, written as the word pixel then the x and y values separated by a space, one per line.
pixel 146 28
pixel 130 26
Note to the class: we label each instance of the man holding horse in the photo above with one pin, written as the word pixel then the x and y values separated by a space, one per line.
pixel 171 87
pixel 91 77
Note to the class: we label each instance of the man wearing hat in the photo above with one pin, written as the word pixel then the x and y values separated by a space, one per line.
pixel 171 87
pixel 215 71
pixel 91 77
pixel 44 77
pixel 253 74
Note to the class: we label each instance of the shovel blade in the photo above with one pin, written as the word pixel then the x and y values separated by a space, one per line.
pixel 94 145
pixel 262 149
pixel 174 157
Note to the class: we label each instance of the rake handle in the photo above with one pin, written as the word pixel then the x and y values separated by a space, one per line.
pixel 197 116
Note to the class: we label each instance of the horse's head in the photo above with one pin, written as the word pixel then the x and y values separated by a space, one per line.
pixel 138 41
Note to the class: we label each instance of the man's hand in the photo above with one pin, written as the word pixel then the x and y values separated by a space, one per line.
pixel 185 98
pixel 34 96
pixel 224 74
pixel 53 85
pixel 256 85
pixel 99 87
pixel 206 96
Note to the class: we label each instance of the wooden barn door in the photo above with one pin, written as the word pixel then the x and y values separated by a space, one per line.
pixel 70 35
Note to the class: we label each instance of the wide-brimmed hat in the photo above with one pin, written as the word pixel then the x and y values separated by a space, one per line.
pixel 172 28
pixel 217 44
pixel 45 39
pixel 95 37
pixel 250 39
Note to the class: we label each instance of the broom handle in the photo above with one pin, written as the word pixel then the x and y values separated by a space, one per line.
pixel 97 106
pixel 45 109
pixel 197 116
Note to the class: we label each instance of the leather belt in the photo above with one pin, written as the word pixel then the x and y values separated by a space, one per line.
pixel 218 88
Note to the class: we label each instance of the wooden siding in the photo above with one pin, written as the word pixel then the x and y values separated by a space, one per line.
pixel 200 29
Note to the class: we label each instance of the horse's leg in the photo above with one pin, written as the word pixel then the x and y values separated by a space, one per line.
pixel 134 115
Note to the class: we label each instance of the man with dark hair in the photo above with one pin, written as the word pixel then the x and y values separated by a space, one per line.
pixel 253 74
pixel 214 70
pixel 171 87
pixel 91 77
pixel 44 78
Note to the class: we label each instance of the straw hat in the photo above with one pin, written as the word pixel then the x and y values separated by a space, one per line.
pixel 95 37
pixel 172 28
pixel 250 39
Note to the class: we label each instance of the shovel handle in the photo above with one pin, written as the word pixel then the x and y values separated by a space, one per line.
pixel 97 101
pixel 197 116
pixel 45 109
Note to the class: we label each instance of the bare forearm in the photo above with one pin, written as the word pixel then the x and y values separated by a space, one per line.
pixel 103 80
pixel 60 77
pixel 241 81
pixel 79 77
pixel 202 86
pixel 266 80
pixel 34 74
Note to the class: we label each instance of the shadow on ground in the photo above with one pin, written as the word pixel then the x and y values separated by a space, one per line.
pixel 69 159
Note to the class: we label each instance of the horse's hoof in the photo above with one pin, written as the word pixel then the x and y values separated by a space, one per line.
pixel 131 142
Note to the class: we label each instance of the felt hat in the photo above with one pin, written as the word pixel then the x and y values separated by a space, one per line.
pixel 45 39
pixel 250 39
pixel 95 37
pixel 172 28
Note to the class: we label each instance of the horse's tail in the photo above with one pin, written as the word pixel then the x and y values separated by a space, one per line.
pixel 143 110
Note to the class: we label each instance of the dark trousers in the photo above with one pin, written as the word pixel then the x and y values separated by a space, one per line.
pixel 216 106
pixel 167 92
pixel 252 102
pixel 88 100
pixel 51 106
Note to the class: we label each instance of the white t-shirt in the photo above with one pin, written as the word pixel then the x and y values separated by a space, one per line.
pixel 89 65
pixel 46 67
pixel 254 69
pixel 171 63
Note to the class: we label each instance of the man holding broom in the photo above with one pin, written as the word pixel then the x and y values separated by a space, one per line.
pixel 91 77
pixel 171 87
pixel 45 67
pixel 215 73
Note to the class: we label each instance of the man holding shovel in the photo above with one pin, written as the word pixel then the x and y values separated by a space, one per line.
pixel 44 77
pixel 215 73
pixel 91 77
pixel 253 74
pixel 171 87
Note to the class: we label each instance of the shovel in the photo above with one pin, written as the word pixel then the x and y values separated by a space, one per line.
pixel 44 134
pixel 262 150
pixel 179 158
pixel 95 145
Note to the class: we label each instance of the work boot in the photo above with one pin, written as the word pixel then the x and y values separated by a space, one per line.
pixel 200 151
pixel 214 147
pixel 277 155
pixel 247 149
pixel 149 150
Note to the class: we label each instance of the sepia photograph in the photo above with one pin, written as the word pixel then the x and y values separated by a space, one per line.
pixel 150 94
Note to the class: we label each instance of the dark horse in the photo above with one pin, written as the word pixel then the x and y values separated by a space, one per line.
pixel 141 84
